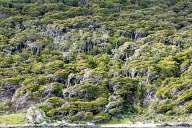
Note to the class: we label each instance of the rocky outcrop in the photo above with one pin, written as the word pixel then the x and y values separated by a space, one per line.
pixel 125 51
pixel 14 48
pixel 7 90
pixel 3 15
pixel 134 35
pixel 35 115
pixel 58 78
pixel 79 91
pixel 115 105
pixel 21 101
pixel 74 79
pixel 56 31
pixel 88 45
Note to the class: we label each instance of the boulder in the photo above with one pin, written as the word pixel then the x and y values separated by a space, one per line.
pixel 35 115
pixel 21 101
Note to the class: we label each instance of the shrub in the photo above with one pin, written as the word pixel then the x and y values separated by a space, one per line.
pixel 163 107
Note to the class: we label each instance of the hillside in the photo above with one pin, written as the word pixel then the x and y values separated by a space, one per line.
pixel 95 60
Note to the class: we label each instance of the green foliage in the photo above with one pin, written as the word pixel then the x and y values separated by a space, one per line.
pixel 163 107
pixel 17 118
pixel 168 67
pixel 90 60
pixel 188 106
pixel 82 116
pixel 4 106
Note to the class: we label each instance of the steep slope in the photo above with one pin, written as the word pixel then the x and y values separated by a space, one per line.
pixel 90 60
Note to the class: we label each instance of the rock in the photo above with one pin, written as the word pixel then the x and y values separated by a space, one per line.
pixel 92 78
pixel 164 125
pixel 3 15
pixel 59 79
pixel 85 24
pixel 58 31
pixel 35 115
pixel 88 45
pixel 17 47
pixel 34 46
pixel 115 104
pixel 110 86
pixel 135 72
pixel 18 24
pixel 21 101
pixel 51 30
pixel 183 125
pixel 48 92
pixel 8 90
pixel 125 51
pixel 71 79
pixel 148 96
pixel 69 92
pixel 77 92
pixel 133 34
pixel 179 125
pixel 185 67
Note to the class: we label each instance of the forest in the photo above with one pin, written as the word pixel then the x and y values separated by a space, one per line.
pixel 96 61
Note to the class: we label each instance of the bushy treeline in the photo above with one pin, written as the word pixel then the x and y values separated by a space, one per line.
pixel 90 60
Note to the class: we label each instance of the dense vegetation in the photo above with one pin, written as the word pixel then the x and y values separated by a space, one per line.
pixel 94 60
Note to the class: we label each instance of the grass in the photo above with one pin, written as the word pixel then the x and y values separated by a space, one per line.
pixel 17 118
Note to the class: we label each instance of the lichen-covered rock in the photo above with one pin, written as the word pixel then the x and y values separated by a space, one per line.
pixel 35 115
pixel 133 34
pixel 21 102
